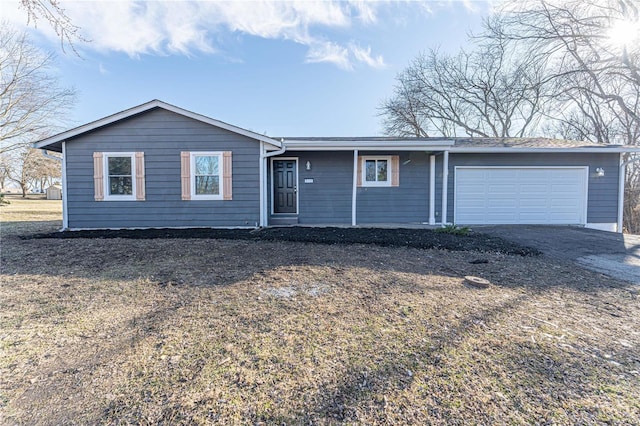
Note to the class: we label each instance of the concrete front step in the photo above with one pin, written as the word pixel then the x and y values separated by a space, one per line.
pixel 283 220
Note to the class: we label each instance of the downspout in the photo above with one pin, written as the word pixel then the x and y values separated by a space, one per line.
pixel 445 184
pixel 263 179
pixel 621 179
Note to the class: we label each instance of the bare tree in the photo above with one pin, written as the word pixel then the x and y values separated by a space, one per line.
pixel 52 12
pixel 32 103
pixel 487 92
pixel 592 51
pixel 4 171
pixel 29 168
pixel 14 166
pixel 578 39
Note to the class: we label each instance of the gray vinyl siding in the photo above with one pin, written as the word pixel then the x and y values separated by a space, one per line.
pixel 328 199
pixel 162 135
pixel 602 197
pixel 407 203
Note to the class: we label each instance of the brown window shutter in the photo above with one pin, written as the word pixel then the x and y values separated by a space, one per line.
pixel 395 170
pixel 227 173
pixel 140 194
pixel 185 174
pixel 98 176
pixel 359 174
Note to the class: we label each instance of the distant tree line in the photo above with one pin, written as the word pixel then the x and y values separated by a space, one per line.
pixel 558 68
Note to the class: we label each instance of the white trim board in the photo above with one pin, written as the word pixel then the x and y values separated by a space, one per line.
pixel 609 227
pixel 65 211
pixel 147 107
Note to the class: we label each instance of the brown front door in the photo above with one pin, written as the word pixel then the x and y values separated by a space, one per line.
pixel 285 181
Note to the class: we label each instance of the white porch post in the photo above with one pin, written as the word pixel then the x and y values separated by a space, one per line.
pixel 65 212
pixel 263 186
pixel 354 191
pixel 432 190
pixel 621 176
pixel 445 184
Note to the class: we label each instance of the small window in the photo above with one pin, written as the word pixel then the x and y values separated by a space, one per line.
pixel 376 171
pixel 206 175
pixel 120 182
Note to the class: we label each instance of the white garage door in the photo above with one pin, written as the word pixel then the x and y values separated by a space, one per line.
pixel 511 195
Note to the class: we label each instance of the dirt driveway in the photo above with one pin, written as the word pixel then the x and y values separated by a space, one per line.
pixel 617 255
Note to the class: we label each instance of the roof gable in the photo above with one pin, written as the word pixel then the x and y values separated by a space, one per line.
pixel 54 143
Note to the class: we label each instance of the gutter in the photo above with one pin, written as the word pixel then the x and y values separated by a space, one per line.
pixel 274 153
pixel 53 157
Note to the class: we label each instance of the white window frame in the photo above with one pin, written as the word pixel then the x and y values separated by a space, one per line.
pixel 192 175
pixel 107 193
pixel 363 166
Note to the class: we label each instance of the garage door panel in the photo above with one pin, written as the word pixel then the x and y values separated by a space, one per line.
pixel 533 205
pixel 500 204
pixel 533 173
pixel 495 195
pixel 534 189
pixel 563 202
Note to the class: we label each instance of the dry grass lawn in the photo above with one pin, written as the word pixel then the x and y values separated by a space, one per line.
pixel 115 331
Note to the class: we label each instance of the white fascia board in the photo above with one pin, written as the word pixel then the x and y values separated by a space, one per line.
pixel 366 145
pixel 603 150
pixel 146 107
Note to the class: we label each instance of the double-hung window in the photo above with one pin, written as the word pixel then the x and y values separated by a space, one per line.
pixel 206 176
pixel 119 176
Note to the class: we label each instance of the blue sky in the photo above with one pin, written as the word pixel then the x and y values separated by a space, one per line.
pixel 296 68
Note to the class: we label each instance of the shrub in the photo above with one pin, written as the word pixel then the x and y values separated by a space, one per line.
pixel 454 229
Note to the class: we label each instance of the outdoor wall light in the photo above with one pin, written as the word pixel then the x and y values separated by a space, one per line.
pixel 307 166
pixel 599 172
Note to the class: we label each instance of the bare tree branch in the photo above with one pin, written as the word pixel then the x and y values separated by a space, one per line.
pixel 32 103
pixel 485 92
pixel 52 12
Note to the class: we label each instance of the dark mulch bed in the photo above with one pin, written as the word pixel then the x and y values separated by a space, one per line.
pixel 417 238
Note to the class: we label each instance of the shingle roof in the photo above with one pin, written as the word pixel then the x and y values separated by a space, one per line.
pixel 456 144
pixel 525 143
pixel 466 142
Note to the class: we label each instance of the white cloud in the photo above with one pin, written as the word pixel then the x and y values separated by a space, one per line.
pixel 364 55
pixel 184 27
pixel 330 52
pixel 103 70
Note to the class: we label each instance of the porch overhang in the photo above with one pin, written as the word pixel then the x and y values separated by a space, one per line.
pixel 360 144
